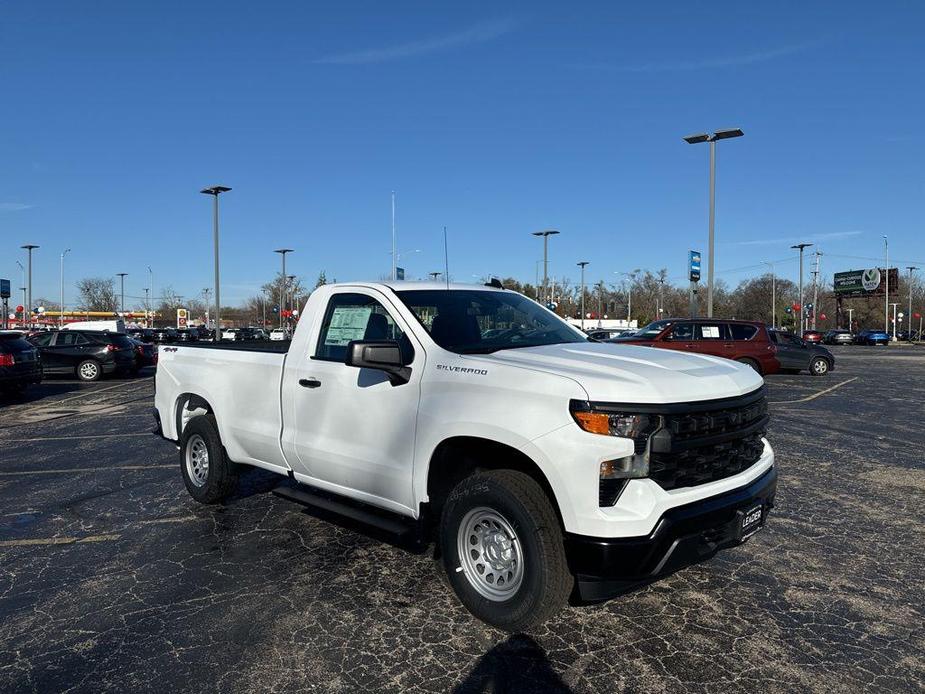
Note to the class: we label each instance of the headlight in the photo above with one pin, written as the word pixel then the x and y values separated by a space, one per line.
pixel 637 427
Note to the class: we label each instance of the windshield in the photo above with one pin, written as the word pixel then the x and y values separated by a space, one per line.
pixel 479 322
pixel 653 328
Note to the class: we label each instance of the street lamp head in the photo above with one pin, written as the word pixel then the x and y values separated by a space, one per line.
pixel 547 232
pixel 30 246
pixel 121 274
pixel 215 190
pixel 582 263
pixel 283 250
pixel 726 134
pixel 801 246
pixel 695 139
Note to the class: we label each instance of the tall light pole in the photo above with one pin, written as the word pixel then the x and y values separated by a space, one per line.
pixel 911 269
pixel 773 293
pixel 394 257
pixel 545 234
pixel 886 295
pixel 215 191
pixel 61 296
pixel 629 293
pixel 121 276
pixel 29 247
pixel 282 293
pixel 147 307
pixel 801 246
pixel 216 334
pixel 290 286
pixel 582 264
pixel 712 139
pixel 894 305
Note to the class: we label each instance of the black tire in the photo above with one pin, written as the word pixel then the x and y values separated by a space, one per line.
pixel 819 366
pixel 89 370
pixel 220 477
pixel 545 581
pixel 752 363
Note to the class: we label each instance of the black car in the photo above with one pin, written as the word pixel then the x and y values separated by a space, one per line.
pixel 187 335
pixel 838 337
pixel 165 335
pixel 20 363
pixel 141 334
pixel 796 354
pixel 87 354
pixel 145 354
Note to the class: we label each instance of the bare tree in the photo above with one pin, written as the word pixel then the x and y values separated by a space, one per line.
pixel 96 294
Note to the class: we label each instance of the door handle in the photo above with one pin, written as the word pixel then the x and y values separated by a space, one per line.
pixel 309 383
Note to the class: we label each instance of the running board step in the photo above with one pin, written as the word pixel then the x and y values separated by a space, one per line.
pixel 383 520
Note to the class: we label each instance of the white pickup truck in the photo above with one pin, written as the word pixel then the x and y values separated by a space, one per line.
pixel 543 464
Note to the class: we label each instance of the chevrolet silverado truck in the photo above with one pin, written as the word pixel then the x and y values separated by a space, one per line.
pixel 544 466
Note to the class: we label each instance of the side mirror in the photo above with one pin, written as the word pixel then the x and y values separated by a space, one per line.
pixel 382 355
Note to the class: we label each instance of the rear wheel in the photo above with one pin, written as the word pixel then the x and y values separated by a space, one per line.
pixel 750 362
pixel 819 366
pixel 207 473
pixel 503 550
pixel 89 370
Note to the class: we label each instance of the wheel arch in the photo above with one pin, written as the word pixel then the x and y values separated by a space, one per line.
pixel 457 457
pixel 187 406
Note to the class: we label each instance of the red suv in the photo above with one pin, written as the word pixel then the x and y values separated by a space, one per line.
pixel 745 341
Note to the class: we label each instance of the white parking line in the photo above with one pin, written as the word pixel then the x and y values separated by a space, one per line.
pixel 69 438
pixel 814 395
pixel 63 471
pixel 58 540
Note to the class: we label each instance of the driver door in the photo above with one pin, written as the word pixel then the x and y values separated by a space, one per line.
pixel 347 428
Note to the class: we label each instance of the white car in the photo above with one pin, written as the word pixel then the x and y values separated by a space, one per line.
pixel 229 333
pixel 280 334
pixel 539 460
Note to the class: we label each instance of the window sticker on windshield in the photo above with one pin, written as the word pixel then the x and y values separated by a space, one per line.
pixel 710 331
pixel 347 323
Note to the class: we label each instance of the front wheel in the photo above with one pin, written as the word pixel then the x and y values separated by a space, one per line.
pixel 89 370
pixel 819 367
pixel 207 473
pixel 750 362
pixel 503 550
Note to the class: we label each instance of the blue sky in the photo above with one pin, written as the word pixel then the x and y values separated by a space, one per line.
pixel 493 120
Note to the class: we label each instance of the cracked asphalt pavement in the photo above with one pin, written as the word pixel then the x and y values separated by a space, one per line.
pixel 112 579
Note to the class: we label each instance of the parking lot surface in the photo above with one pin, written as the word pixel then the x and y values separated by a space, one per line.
pixel 113 579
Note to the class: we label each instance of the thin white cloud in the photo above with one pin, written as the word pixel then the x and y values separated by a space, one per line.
pixel 808 237
pixel 13 207
pixel 713 63
pixel 479 33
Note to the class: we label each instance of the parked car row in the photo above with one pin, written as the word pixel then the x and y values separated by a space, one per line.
pixel 749 342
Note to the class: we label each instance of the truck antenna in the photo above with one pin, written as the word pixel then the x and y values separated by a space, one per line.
pixel 446 260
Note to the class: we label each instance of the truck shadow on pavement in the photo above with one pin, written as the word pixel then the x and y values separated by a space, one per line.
pixel 518 664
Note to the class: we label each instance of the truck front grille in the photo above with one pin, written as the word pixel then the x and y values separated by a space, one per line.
pixel 706 444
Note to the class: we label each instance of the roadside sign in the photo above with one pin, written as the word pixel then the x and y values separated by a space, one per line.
pixel 4 289
pixel 694 263
pixel 182 317
pixel 864 282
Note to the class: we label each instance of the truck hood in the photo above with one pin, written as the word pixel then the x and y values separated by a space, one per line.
pixel 629 373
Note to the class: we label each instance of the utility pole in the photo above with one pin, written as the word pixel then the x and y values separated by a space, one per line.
pixel 282 291
pixel 886 295
pixel 600 302
pixel 29 247
pixel 215 191
pixel 911 269
pixel 817 253
pixel 850 321
pixel 801 246
pixel 394 257
pixel 545 234
pixel 582 265
pixel 121 276
pixel 147 308
pixel 61 303
pixel 773 293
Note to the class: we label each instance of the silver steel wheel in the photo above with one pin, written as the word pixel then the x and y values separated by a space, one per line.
pixel 820 366
pixel 490 554
pixel 197 460
pixel 89 370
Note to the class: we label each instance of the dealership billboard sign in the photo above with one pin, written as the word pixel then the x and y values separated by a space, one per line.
pixel 869 282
